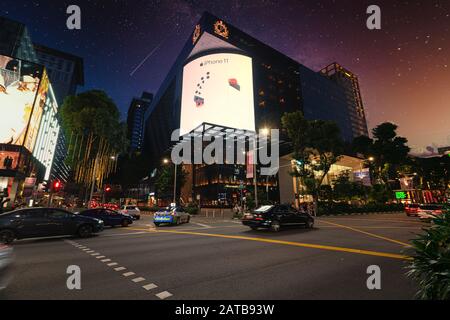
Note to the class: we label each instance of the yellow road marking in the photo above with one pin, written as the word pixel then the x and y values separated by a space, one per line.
pixel 289 243
pixel 367 233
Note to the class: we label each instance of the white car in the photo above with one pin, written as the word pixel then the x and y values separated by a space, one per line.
pixel 132 211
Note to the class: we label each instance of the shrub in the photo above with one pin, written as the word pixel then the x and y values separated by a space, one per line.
pixel 431 260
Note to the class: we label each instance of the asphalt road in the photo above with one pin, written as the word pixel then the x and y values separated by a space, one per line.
pixel 217 259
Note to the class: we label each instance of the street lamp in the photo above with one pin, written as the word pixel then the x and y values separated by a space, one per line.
pixel 166 161
pixel 371 159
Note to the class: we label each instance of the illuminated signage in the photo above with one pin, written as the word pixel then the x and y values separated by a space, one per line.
pixel 19 84
pixel 401 195
pixel 197 33
pixel 218 89
pixel 221 29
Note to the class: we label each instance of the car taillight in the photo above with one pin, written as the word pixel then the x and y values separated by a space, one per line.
pixel 438 211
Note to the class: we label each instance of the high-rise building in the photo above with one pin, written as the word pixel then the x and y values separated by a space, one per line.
pixel 66 72
pixel 135 121
pixel 29 125
pixel 15 40
pixel 227 81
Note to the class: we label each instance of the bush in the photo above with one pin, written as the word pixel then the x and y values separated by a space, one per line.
pixel 431 260
pixel 192 209
pixel 346 208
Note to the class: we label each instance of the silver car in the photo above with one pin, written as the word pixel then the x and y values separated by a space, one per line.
pixel 6 260
pixel 171 215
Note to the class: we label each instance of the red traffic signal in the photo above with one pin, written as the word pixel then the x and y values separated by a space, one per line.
pixel 56 186
pixel 108 189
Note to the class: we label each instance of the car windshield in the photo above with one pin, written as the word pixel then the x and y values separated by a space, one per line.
pixel 263 209
pixel 413 205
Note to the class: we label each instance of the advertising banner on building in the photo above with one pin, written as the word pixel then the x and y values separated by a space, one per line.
pixel 19 83
pixel 250 165
pixel 218 89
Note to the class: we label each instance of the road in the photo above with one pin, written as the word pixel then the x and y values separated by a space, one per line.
pixel 218 259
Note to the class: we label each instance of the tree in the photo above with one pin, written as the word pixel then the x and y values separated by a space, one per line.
pixel 91 122
pixel 165 181
pixel 317 145
pixel 344 189
pixel 388 150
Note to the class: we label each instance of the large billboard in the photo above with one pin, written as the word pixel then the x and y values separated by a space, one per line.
pixel 19 84
pixel 218 89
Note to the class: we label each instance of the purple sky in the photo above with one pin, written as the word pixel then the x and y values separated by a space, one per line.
pixel 403 68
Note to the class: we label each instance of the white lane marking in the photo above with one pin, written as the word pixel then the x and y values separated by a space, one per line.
pixel 137 280
pixel 120 269
pixel 164 295
pixel 100 257
pixel 201 225
pixel 129 274
pixel 95 254
pixel 106 260
pixel 112 264
pixel 90 251
pixel 150 286
pixel 124 234
pixel 87 249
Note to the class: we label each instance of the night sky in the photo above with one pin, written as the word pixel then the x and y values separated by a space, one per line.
pixel 403 69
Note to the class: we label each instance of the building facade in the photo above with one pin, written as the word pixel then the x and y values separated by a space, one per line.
pixel 66 73
pixel 29 125
pixel 227 79
pixel 135 121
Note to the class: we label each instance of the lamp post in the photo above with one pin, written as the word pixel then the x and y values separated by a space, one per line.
pixel 166 161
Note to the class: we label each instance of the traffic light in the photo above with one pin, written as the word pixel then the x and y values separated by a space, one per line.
pixel 56 186
pixel 108 189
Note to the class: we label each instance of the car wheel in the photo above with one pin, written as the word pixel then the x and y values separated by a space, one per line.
pixel 309 224
pixel 178 221
pixel 125 223
pixel 7 236
pixel 156 224
pixel 188 220
pixel 275 226
pixel 254 228
pixel 85 231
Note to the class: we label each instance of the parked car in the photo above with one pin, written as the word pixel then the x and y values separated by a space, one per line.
pixel 412 209
pixel 110 217
pixel 45 222
pixel 6 260
pixel 276 217
pixel 429 211
pixel 171 215
pixel 132 211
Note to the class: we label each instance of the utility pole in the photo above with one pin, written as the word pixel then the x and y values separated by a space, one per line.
pixel 94 172
pixel 175 186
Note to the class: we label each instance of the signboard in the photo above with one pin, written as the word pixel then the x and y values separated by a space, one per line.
pixel 218 89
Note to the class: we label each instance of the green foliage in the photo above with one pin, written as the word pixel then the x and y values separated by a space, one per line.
pixel 93 112
pixel 431 260
pixel 317 145
pixel 388 150
pixel 338 208
pixel 165 180
pixel 192 209
pixel 344 189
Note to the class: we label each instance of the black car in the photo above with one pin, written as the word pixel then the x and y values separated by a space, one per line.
pixel 45 222
pixel 110 217
pixel 276 217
